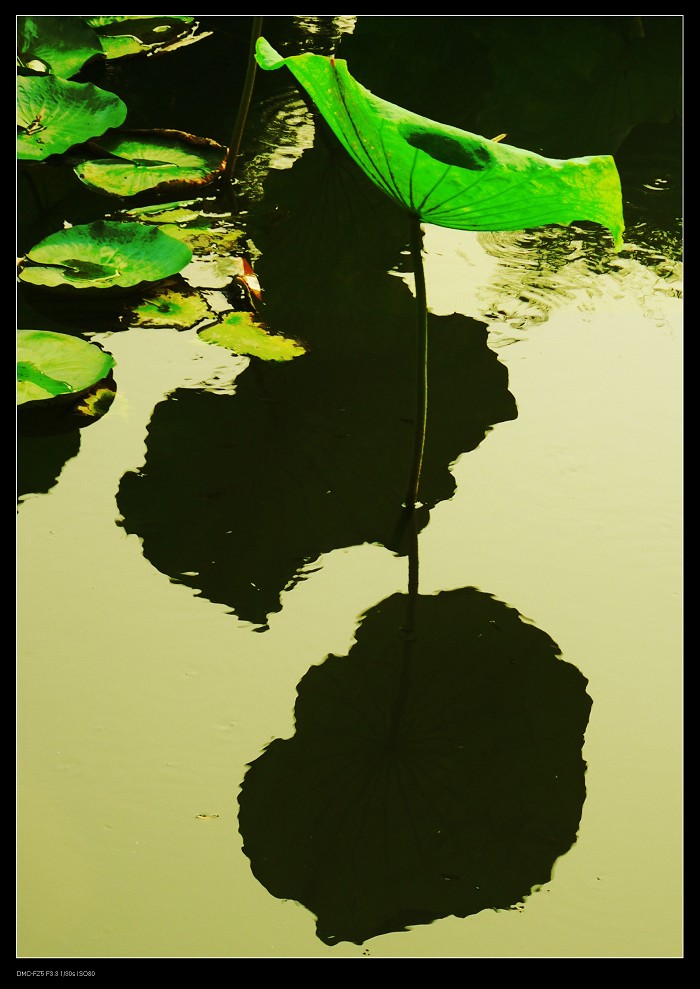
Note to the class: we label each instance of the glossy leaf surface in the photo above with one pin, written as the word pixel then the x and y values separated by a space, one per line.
pixel 152 160
pixel 62 45
pixel 447 176
pixel 105 254
pixel 241 333
pixel 54 114
pixel 171 308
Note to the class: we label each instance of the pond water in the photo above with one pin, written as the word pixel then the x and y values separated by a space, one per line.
pixel 223 615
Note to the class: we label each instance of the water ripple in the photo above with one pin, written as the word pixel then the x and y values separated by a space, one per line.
pixel 538 272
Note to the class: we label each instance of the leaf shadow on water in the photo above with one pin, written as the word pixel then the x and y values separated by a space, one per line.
pixel 431 774
pixel 41 457
pixel 240 492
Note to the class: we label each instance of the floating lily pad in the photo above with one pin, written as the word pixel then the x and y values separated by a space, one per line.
pixel 54 114
pixel 135 34
pixel 172 308
pixel 59 45
pixel 50 365
pixel 244 335
pixel 105 254
pixel 151 160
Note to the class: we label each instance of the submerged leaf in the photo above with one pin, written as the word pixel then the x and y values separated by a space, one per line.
pixel 50 364
pixel 451 177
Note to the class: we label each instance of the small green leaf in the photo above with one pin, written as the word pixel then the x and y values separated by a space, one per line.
pixel 96 403
pixel 243 334
pixel 169 308
pixel 51 364
pixel 451 177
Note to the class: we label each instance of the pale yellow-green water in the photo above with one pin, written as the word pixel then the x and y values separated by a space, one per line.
pixel 140 704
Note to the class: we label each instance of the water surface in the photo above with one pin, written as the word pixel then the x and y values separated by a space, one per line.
pixel 215 586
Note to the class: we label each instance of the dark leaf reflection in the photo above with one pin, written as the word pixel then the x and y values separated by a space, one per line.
pixel 431 774
pixel 41 458
pixel 240 492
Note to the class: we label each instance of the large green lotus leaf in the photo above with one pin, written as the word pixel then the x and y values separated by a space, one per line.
pixel 54 114
pixel 62 45
pixel 105 254
pixel 50 364
pixel 149 160
pixel 448 176
pixel 133 34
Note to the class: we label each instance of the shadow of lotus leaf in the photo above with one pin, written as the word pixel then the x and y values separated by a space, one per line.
pixel 430 775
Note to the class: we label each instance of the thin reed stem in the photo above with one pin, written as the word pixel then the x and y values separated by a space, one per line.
pixel 244 105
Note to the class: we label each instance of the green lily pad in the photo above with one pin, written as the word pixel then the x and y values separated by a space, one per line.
pixel 447 176
pixel 182 310
pixel 54 114
pixel 52 364
pixel 134 34
pixel 105 254
pixel 61 44
pixel 244 335
pixel 152 160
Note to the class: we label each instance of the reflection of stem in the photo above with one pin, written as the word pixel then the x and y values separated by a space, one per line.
pixel 408 630
pixel 244 105
pixel 412 574
pixel 422 362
